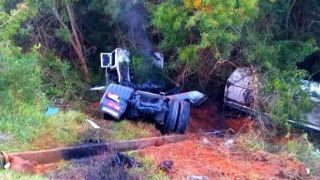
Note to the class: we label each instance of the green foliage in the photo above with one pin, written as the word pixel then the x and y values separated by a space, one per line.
pixel 208 24
pixel 189 55
pixel 281 93
pixel 276 62
pixel 8 5
pixel 170 19
pixel 262 34
pixel 22 101
pixel 22 79
pixel 10 175
pixel 66 128
pixel 60 80
pixel 137 67
pixel 143 69
pixel 64 34
pixel 305 152
pixel 202 34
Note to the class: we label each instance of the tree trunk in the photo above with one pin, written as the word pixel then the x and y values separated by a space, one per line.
pixel 76 44
pixel 75 40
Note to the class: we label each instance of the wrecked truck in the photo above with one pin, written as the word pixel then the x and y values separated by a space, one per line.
pixel 124 99
pixel 239 95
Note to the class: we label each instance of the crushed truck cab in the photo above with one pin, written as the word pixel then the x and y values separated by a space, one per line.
pixel 124 99
pixel 171 112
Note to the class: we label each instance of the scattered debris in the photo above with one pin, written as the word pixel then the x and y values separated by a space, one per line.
pixel 7 166
pixel 94 141
pixel 51 111
pixel 125 161
pixel 205 141
pixel 229 143
pixel 93 167
pixel 4 137
pixel 166 166
pixel 93 124
pixel 308 171
pixel 3 159
pixel 99 88
pixel 197 178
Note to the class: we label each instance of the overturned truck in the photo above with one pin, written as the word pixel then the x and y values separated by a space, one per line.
pixel 122 98
pixel 239 95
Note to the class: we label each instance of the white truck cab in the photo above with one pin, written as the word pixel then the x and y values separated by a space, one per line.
pixel 116 61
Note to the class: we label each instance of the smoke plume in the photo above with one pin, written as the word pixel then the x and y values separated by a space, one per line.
pixel 132 17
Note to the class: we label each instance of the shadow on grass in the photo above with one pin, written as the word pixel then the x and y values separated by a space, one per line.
pixel 95 167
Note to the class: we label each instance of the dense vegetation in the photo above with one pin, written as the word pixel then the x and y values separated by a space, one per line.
pixel 29 78
pixel 49 50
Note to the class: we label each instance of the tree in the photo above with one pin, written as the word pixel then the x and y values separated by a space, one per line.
pixel 203 33
pixel 74 33
pixel 209 36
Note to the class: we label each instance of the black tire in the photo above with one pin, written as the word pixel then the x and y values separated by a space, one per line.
pixel 184 117
pixel 172 117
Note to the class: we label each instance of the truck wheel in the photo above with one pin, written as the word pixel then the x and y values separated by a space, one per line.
pixel 172 116
pixel 184 116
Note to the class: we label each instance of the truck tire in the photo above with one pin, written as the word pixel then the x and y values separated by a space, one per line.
pixel 172 117
pixel 184 116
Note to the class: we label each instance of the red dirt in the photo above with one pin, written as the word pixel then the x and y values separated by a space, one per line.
pixel 239 124
pixel 215 160
pixel 209 118
pixel 21 165
pixel 200 157
pixel 204 119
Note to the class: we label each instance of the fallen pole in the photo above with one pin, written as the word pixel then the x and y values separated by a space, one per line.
pixel 80 151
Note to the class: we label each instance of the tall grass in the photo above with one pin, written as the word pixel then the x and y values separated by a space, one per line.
pixel 24 99
pixel 305 152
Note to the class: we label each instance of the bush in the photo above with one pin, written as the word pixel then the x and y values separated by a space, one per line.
pixel 60 79
pixel 279 88
pixel 22 101
pixel 210 38
pixel 22 78
pixel 305 152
